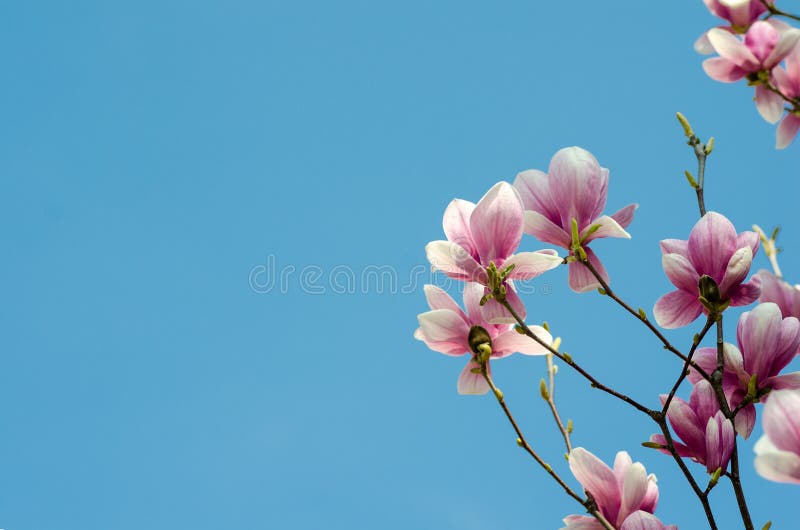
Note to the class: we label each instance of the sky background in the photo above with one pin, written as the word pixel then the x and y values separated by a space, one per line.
pixel 161 161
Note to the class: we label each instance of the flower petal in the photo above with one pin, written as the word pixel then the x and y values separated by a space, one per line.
pixel 578 185
pixel 444 331
pixel 677 309
pixel 787 130
pixel 634 488
pixel 581 278
pixel 769 104
pixel 737 269
pixel 494 313
pixel 608 227
pixel 642 520
pixel 786 43
pixel 545 230
pixel 439 299
pixel 456 225
pixel 454 261
pixel 496 223
pixel 596 478
pixel 534 190
pixel 510 341
pixel 731 48
pixel 782 420
pixel 624 216
pixel 721 69
pixel 712 242
pixel 472 382
pixel 529 265
pixel 761 40
pixel 675 246
pixel 680 272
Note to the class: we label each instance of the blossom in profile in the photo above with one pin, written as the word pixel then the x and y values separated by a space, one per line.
pixel 774 289
pixel 447 329
pixel 753 57
pixel 715 250
pixel 575 188
pixel 483 237
pixel 778 450
pixel 788 82
pixel 767 343
pixel 706 435
pixel 626 495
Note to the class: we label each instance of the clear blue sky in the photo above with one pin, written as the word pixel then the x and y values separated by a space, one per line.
pixel 154 156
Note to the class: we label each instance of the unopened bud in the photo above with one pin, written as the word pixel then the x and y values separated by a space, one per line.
pixel 709 146
pixel 687 129
pixel 543 390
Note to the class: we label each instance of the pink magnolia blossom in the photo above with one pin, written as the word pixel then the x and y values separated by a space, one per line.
pixel 626 496
pixel 485 234
pixel 788 82
pixel 778 450
pixel 754 57
pixel 738 13
pixel 774 289
pixel 767 343
pixel 445 329
pixel 714 249
pixel 575 188
pixel 706 435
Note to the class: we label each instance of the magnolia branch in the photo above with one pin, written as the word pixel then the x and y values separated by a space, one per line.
pixel 588 503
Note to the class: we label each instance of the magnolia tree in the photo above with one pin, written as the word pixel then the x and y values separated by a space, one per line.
pixel 728 385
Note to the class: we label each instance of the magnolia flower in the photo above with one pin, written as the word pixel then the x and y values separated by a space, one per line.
pixel 767 343
pixel 626 496
pixel 788 82
pixel 778 450
pixel 446 329
pixel 715 250
pixel 786 296
pixel 486 235
pixel 706 435
pixel 574 189
pixel 762 49
pixel 738 13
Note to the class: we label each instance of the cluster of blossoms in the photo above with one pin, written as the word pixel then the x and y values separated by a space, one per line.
pixel 564 207
pixel 751 46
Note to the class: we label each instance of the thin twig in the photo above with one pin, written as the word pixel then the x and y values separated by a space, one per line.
pixel 589 504
pixel 643 318
pixel 774 11
pixel 568 359
pixel 551 402
pixel 687 364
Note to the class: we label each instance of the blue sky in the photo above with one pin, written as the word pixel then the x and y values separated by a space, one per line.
pixel 158 157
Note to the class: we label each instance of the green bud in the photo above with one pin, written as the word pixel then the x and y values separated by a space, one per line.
pixel 592 229
pixel 751 385
pixel 767 526
pixel 567 357
pixel 576 237
pixel 687 129
pixel 653 445
pixel 543 390
pixel 519 329
pixel 485 298
pixel 709 146
pixel 642 314
pixel 692 182
pixel 519 442
pixel 569 426
pixel 715 476
pixel 498 394
pixel 775 232
pixel 581 253
pixel 601 291
pixel 546 326
pixel 696 339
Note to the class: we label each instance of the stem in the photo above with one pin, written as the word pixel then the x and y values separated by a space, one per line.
pixel 701 495
pixel 594 382
pixel 734 477
pixel 551 402
pixel 589 504
pixel 667 345
pixel 775 11
pixel 685 371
